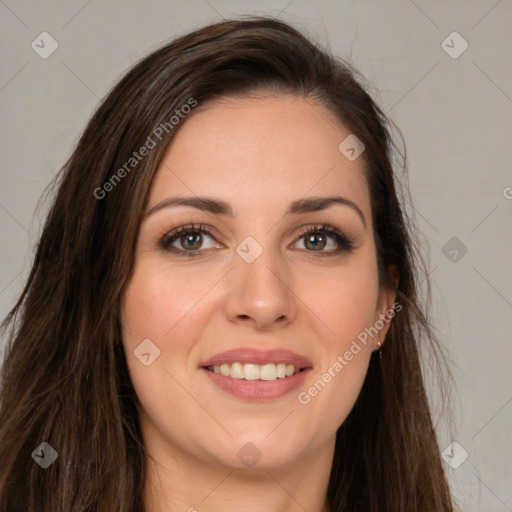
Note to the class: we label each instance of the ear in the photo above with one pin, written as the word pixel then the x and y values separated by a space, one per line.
pixel 385 310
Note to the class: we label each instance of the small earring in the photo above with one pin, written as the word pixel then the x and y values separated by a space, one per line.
pixel 380 351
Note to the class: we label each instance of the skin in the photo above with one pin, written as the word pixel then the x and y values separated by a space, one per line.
pixel 258 154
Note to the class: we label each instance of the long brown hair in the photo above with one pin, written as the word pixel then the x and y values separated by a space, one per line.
pixel 65 379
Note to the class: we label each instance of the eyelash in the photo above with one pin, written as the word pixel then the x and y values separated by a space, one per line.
pixel 345 244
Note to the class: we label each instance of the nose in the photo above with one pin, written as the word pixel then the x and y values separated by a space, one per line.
pixel 260 294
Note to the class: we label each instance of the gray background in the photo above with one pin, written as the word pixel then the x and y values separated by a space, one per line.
pixel 453 112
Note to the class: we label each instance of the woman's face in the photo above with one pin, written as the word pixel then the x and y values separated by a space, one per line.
pixel 256 289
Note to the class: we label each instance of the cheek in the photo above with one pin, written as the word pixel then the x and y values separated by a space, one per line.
pixel 345 307
pixel 163 307
pixel 172 309
pixel 344 302
pixel 156 302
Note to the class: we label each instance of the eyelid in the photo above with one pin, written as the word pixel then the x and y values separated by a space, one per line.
pixel 344 242
pixel 168 237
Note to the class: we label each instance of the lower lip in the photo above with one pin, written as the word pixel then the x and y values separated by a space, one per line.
pixel 258 390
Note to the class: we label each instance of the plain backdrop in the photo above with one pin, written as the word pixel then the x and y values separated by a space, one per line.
pixel 450 94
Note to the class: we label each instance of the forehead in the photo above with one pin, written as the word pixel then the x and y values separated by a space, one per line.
pixel 251 151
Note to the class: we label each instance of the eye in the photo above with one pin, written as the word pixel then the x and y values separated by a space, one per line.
pixel 187 240
pixel 317 238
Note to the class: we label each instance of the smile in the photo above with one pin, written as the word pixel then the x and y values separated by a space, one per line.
pixel 257 389
pixel 247 371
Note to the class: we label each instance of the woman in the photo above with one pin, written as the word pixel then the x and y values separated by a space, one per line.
pixel 222 310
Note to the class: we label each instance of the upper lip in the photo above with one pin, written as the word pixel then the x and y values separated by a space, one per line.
pixel 255 356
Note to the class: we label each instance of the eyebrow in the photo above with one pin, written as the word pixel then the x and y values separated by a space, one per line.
pixel 219 207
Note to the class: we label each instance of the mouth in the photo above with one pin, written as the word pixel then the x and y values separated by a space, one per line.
pixel 248 371
pixel 257 375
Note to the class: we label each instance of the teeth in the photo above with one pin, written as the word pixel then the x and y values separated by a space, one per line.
pixel 250 371
pixel 237 371
pixel 268 372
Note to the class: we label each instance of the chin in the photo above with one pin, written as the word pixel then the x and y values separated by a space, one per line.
pixel 254 452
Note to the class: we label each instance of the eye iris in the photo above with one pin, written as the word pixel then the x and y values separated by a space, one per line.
pixel 189 239
pixel 314 239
